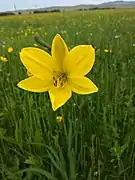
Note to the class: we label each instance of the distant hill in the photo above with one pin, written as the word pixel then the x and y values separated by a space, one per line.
pixel 113 4
pixel 118 4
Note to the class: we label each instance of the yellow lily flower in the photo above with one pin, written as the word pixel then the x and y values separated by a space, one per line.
pixel 59 74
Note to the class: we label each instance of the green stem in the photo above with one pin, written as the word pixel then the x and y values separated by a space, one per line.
pixel 65 128
pixel 40 41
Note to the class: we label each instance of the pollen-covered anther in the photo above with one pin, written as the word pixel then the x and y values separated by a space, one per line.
pixel 60 80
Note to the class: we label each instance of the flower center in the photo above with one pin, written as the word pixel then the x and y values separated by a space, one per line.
pixel 59 80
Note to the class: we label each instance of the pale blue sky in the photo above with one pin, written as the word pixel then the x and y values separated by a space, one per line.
pixel 25 4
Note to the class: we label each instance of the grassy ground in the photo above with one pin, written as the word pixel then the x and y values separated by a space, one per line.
pixel 96 138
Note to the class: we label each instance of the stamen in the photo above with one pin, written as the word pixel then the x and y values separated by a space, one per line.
pixel 59 80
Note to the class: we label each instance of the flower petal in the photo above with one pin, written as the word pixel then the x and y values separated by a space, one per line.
pixel 59 96
pixel 82 85
pixel 80 60
pixel 59 51
pixel 34 84
pixel 37 61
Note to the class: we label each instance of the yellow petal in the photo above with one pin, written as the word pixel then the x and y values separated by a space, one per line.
pixel 82 85
pixel 80 60
pixel 34 84
pixel 37 61
pixel 59 51
pixel 59 96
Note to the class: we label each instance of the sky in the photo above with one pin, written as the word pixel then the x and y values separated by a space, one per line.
pixel 6 5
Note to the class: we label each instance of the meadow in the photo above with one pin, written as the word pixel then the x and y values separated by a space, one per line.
pixel 95 138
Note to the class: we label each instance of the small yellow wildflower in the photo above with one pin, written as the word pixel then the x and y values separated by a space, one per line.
pixel 3 59
pixel 60 74
pixel 36 45
pixel 59 119
pixel 10 49
pixel 107 50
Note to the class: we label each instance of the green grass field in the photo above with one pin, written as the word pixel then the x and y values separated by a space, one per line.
pixel 96 138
